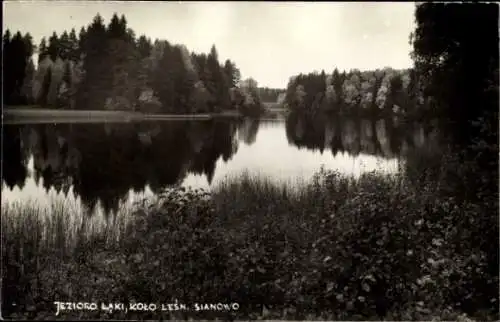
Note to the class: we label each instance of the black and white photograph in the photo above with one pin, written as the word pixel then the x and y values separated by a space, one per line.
pixel 250 160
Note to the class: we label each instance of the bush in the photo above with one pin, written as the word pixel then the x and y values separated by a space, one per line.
pixel 337 248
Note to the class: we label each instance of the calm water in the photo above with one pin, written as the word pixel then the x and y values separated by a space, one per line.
pixel 115 164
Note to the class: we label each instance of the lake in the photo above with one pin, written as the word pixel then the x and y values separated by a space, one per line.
pixel 104 166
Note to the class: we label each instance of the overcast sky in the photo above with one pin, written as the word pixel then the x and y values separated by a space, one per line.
pixel 269 41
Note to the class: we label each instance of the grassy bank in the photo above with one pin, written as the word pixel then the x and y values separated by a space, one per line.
pixel 376 248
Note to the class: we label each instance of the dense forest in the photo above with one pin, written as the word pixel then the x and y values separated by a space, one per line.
pixel 353 92
pixel 270 95
pixel 453 71
pixel 109 67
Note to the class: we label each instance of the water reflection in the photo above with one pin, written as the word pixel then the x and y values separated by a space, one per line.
pixel 384 138
pixel 105 165
pixel 247 132
pixel 14 157
pixel 104 161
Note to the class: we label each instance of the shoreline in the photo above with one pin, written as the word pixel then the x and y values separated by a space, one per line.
pixel 13 115
pixel 37 115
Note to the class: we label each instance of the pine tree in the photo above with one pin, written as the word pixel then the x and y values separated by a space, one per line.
pixel 117 28
pixel 17 52
pixel 232 73
pixel 73 51
pixel 42 50
pixel 29 47
pixel 54 46
pixel 95 86
pixel 144 46
pixel 82 42
pixel 6 38
pixel 215 81
pixel 65 46
pixel 163 84
pixel 8 81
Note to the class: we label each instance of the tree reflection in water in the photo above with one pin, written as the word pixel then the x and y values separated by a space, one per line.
pixel 104 162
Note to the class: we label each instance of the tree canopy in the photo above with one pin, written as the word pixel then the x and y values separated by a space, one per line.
pixel 106 66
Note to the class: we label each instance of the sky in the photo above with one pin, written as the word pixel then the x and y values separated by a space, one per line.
pixel 268 41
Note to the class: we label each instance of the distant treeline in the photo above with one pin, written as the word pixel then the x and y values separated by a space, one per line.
pixel 360 92
pixel 108 67
pixel 271 95
pixel 454 77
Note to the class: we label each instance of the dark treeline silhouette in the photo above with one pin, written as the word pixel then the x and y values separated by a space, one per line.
pixel 458 73
pixel 108 67
pixel 102 162
pixel 18 68
pixel 456 58
pixel 270 95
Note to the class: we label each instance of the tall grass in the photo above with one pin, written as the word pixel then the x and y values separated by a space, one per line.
pixel 45 243
pixel 62 224
pixel 378 246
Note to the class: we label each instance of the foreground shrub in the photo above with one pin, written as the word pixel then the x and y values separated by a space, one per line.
pixel 338 248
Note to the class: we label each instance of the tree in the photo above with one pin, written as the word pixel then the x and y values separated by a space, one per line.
pixel 397 92
pixel 95 86
pixel 252 105
pixel 8 79
pixel 56 80
pixel 6 38
pixel 337 85
pixel 82 42
pixel 455 67
pixel 54 48
pixel 42 50
pixel 456 55
pixel 65 46
pixel 350 88
pixel 200 98
pixel 105 65
pixel 182 83
pixel 116 30
pixel 17 53
pixel 73 50
pixel 214 80
pixel 123 65
pixel 163 83
pixel 27 89
pixel 42 81
pixel 231 73
pixel 330 93
pixel 144 46
pixel 29 47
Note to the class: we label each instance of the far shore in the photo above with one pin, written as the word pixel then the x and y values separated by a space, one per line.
pixel 33 114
